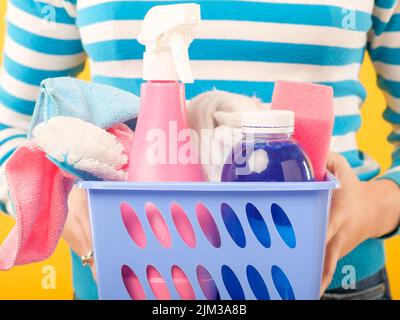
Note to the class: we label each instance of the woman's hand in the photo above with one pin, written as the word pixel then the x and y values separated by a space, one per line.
pixel 77 232
pixel 360 211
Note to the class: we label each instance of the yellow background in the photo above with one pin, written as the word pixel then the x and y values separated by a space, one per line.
pixel 25 282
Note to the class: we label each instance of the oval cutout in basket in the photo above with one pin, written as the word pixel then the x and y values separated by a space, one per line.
pixel 282 284
pixel 183 225
pixel 157 284
pixel 158 225
pixel 283 225
pixel 208 225
pixel 132 283
pixel 182 284
pixel 232 284
pixel 258 225
pixel 207 284
pixel 233 225
pixel 257 284
pixel 133 225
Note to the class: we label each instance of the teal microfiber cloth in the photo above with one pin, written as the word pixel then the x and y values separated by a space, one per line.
pixel 99 104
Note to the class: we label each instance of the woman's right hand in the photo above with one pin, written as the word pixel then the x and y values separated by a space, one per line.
pixel 77 231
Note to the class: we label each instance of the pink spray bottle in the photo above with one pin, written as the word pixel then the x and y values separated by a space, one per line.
pixel 163 150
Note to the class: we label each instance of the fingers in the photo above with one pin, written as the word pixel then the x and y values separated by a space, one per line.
pixel 337 219
pixel 77 231
pixel 85 216
pixel 93 268
pixel 76 237
pixel 337 164
pixel 331 258
pixel 331 163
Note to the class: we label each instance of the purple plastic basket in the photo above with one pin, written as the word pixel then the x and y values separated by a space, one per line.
pixel 269 241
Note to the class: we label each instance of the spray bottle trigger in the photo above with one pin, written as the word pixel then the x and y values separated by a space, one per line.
pixel 180 55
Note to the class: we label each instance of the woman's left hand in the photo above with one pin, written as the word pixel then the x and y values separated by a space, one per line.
pixel 360 211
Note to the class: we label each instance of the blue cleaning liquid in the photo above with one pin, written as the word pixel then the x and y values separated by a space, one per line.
pixel 269 159
pixel 274 160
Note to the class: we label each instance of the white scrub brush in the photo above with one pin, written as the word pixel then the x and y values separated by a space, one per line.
pixel 81 148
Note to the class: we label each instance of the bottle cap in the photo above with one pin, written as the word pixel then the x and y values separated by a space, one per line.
pixel 269 122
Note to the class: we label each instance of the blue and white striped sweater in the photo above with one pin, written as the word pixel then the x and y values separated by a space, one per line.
pixel 242 46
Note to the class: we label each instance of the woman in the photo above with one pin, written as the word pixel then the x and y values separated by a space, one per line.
pixel 243 47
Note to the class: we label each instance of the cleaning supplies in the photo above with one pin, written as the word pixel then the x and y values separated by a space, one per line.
pixel 218 114
pixel 314 110
pixel 82 149
pixel 39 190
pixel 267 152
pixel 99 104
pixel 162 149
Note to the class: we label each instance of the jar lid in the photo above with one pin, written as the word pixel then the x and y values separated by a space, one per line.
pixel 269 122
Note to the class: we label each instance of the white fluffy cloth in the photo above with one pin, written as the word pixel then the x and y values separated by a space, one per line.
pixel 216 118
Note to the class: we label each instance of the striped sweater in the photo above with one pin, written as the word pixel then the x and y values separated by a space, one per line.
pixel 242 46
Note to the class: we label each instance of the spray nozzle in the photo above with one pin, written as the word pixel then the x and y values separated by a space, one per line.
pixel 167 32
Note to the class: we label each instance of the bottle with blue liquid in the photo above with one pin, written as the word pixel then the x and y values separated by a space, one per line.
pixel 267 152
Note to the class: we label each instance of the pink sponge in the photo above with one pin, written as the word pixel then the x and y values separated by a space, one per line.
pixel 313 107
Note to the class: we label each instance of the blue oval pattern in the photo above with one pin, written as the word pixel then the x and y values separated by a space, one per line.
pixel 257 284
pixel 232 224
pixel 207 284
pixel 258 225
pixel 232 284
pixel 283 225
pixel 282 284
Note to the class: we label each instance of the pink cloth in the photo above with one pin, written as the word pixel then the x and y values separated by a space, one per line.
pixel 39 191
pixel 125 137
